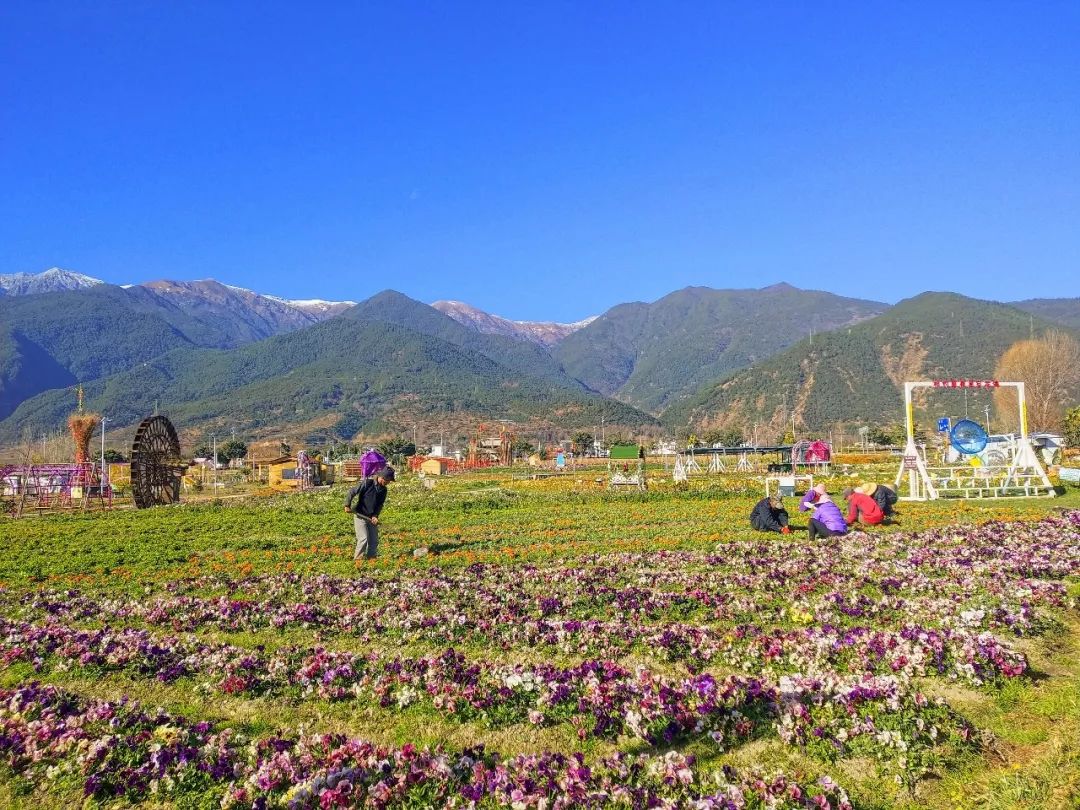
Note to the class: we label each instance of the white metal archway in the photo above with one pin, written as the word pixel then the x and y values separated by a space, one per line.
pixel 1023 476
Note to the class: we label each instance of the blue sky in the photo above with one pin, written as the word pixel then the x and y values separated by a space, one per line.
pixel 545 160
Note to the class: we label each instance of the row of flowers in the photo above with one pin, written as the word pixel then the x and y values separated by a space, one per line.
pixel 599 698
pixel 958 652
pixel 118 750
pixel 979 578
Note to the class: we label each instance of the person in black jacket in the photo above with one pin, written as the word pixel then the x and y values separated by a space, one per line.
pixel 885 497
pixel 770 516
pixel 370 495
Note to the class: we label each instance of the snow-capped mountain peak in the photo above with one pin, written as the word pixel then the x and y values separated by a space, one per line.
pixel 545 333
pixel 55 279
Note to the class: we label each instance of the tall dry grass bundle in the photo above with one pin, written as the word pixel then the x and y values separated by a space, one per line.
pixel 82 427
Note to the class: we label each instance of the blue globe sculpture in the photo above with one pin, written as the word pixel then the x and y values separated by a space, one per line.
pixel 968 437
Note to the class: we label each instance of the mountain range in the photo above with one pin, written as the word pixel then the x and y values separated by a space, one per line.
pixel 210 354
pixel 857 373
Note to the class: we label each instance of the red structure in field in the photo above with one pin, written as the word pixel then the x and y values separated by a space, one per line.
pixel 49 486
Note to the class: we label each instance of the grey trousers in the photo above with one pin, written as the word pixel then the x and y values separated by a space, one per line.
pixel 367 538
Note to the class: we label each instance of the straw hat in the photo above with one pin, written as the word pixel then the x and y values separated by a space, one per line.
pixel 868 489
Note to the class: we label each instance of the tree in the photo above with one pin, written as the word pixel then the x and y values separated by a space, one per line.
pixel 887 435
pixel 114 456
pixel 234 448
pixel 731 437
pixel 397 447
pixel 1049 367
pixel 583 442
pixel 711 437
pixel 206 451
pixel 1072 427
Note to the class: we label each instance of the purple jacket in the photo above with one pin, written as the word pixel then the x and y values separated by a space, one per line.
pixel 826 512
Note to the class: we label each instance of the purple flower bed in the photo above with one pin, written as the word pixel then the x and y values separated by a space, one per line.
pixel 758 640
pixel 118 750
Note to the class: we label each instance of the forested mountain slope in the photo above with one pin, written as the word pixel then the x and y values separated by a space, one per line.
pixel 651 355
pixel 367 364
pixel 857 373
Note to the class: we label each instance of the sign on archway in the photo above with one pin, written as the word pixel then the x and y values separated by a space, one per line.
pixel 1015 473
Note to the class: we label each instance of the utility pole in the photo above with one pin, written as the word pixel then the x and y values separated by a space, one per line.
pixel 987 410
pixel 215 462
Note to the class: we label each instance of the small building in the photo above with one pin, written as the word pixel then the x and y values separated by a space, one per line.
pixel 435 466
pixel 281 471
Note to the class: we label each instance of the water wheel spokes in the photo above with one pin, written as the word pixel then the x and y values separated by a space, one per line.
pixel 156 466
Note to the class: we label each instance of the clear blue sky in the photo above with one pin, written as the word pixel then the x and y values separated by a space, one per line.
pixel 545 160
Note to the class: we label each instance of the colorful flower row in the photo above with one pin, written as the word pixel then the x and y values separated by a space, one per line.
pixel 957 650
pixel 979 578
pixel 117 750
pixel 600 698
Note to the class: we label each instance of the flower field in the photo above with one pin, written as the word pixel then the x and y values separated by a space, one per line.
pixel 540 644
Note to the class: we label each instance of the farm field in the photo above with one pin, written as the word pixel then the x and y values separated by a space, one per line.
pixel 556 646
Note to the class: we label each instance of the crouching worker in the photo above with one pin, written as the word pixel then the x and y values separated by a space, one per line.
pixel 884 496
pixel 827 520
pixel 861 507
pixel 770 516
pixel 370 495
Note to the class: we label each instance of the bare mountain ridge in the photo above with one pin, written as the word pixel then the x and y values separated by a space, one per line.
pixel 543 333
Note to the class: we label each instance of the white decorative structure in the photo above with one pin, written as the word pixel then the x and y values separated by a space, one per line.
pixel 631 480
pixel 1021 476
pixel 716 465
pixel 744 464
pixel 678 473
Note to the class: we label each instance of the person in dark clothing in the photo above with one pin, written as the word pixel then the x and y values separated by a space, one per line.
pixel 370 495
pixel 770 516
pixel 884 496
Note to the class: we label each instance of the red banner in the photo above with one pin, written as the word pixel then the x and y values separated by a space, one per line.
pixel 966 383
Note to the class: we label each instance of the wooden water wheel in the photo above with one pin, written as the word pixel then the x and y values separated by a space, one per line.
pixel 156 466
